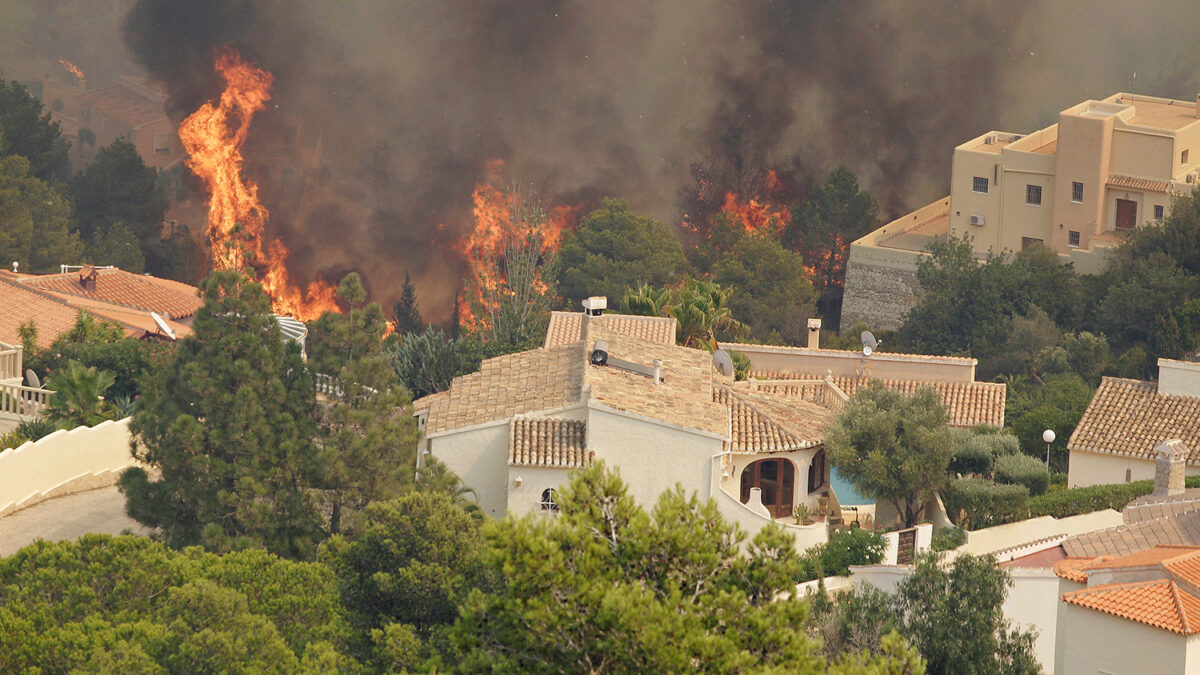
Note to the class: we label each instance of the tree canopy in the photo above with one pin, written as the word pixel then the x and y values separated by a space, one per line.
pixel 27 131
pixel 34 220
pixel 771 292
pixel 229 424
pixel 614 249
pixel 893 446
pixel 118 187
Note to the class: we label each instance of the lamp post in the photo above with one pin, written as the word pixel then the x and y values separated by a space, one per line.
pixel 1048 436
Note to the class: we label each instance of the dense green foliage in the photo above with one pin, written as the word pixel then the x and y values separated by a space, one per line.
pixel 951 613
pixel 948 538
pixel 892 446
pixel 128 604
pixel 406 314
pixel 78 398
pixel 976 503
pixel 426 362
pixel 1023 470
pixel 229 424
pixel 118 187
pixel 614 249
pixel 34 218
pixel 103 345
pixel 27 131
pixel 769 289
pixel 844 548
pixel 608 587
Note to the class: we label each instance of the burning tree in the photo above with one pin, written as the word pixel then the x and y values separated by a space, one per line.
pixel 510 251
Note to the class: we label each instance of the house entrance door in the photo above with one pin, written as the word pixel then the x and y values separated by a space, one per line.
pixel 776 478
pixel 1126 214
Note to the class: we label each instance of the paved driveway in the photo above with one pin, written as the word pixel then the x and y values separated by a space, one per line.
pixel 101 510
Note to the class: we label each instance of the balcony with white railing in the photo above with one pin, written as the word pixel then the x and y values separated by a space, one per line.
pixel 11 363
pixel 22 403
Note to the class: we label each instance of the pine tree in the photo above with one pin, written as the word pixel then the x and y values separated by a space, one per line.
pixel 228 426
pixel 408 316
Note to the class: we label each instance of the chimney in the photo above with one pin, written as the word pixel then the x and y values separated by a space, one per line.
pixel 593 306
pixel 87 278
pixel 1170 460
pixel 814 333
pixel 657 363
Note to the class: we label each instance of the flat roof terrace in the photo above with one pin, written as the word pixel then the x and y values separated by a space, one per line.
pixel 1159 113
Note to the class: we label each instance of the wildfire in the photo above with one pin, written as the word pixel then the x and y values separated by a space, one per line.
pixel 502 220
pixel 757 216
pixel 72 68
pixel 213 137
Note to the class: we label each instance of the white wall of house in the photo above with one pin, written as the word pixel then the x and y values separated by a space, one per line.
pixel 1092 468
pixel 1093 642
pixel 732 510
pixel 651 457
pixel 526 497
pixel 479 456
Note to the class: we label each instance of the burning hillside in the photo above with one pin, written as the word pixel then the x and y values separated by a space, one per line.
pixel 213 137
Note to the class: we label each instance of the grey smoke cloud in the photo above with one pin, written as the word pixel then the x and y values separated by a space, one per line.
pixel 407 101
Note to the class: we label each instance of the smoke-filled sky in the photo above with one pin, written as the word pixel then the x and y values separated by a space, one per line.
pixel 407 101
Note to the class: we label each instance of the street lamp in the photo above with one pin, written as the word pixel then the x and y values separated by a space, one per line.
pixel 1048 436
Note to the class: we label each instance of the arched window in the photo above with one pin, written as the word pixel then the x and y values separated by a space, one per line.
pixel 816 471
pixel 776 478
pixel 549 503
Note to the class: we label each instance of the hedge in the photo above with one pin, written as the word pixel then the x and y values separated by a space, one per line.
pixel 1074 501
pixel 949 538
pixel 1023 470
pixel 972 458
pixel 985 503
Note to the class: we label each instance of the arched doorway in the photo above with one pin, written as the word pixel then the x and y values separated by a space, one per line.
pixel 777 479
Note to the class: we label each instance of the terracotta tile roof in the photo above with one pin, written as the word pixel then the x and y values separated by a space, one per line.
pixel 1075 568
pixel 546 441
pixel 1130 417
pixel 124 105
pixel 530 381
pixel 118 287
pixel 554 377
pixel 967 403
pixel 1183 529
pixel 1141 184
pixel 1160 603
pixel 564 327
pixel 766 423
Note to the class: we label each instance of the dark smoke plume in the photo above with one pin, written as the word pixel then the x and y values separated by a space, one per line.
pixel 398 107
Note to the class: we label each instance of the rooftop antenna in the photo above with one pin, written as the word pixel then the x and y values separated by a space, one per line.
pixel 723 363
pixel 869 345
pixel 163 327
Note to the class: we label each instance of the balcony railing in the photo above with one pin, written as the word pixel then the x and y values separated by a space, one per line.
pixel 10 362
pixel 23 402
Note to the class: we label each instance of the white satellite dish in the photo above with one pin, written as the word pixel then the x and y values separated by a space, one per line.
pixel 723 363
pixel 869 343
pixel 31 379
pixel 163 327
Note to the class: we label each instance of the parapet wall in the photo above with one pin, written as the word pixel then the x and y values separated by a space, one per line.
pixel 881 286
pixel 63 463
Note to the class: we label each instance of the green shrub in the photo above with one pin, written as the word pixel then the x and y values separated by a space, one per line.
pixel 844 548
pixel 949 538
pixel 977 503
pixel 1074 501
pixel 972 458
pixel 1023 470
pixel 36 429
pixel 999 444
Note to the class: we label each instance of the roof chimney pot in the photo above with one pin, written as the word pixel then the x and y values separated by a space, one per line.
pixel 1169 467
pixel 814 333
pixel 595 305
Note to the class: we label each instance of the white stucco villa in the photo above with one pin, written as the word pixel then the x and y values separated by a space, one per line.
pixel 617 388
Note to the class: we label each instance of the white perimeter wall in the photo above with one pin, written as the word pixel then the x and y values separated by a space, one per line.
pixel 65 462
pixel 480 458
pixel 1090 468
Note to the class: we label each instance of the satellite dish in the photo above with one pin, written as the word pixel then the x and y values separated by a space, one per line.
pixel 723 363
pixel 869 343
pixel 162 326
pixel 32 379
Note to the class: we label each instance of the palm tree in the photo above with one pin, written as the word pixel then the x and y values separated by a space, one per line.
pixel 78 398
pixel 702 311
pixel 646 300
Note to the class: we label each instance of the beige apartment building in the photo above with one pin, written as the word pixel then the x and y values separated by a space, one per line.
pixel 1105 167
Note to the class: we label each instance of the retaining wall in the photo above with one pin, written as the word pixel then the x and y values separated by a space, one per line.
pixel 63 463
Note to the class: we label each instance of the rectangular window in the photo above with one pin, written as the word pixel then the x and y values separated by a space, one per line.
pixel 980 184
pixel 1183 157
pixel 1033 195
pixel 1077 192
pixel 162 144
pixel 1026 242
pixel 1073 238
pixel 1158 211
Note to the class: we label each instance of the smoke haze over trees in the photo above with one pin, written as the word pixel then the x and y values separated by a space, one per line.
pixel 408 101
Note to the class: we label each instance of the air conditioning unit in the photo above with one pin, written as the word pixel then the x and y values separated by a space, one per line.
pixel 977 220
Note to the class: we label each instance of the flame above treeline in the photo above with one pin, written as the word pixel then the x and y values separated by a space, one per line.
pixel 72 68
pixel 213 137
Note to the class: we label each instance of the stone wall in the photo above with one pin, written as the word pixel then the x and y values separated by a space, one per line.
pixel 881 286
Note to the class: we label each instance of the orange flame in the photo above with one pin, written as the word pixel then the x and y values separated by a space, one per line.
pixel 74 69
pixel 213 137
pixel 495 228
pixel 757 216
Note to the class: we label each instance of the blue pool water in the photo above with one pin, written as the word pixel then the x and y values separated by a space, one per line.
pixel 844 489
